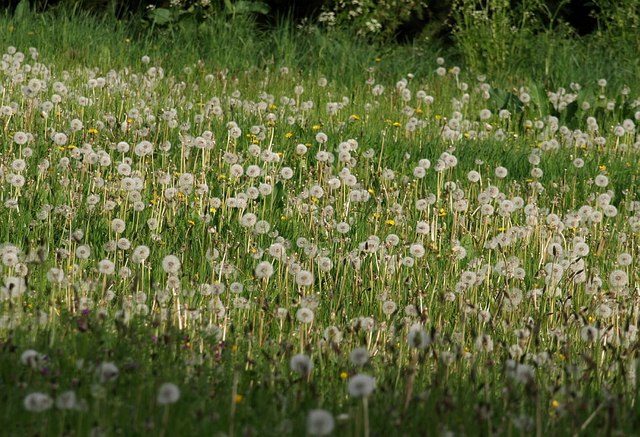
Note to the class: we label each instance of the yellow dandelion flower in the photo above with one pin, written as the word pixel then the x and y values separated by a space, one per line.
pixel 272 107
pixel 438 117
pixel 396 124
pixel 376 215
pixel 314 199
pixel 354 117
pixel 555 403
pixel 466 135
pixel 370 190
pixel 283 217
pixel 343 375
pixel 390 222
pixel 221 177
pixel 602 167
pixel 237 399
pixel 93 130
pixel 419 111
pixel 212 210
pixel 316 127
pixel 442 212
pixel 288 135
pixel 191 222
pixel 71 146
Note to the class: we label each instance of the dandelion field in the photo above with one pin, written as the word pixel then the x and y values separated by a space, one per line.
pixel 267 251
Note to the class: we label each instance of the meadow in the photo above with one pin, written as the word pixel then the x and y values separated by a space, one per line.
pixel 299 233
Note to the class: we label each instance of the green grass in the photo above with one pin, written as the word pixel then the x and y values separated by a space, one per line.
pixel 230 354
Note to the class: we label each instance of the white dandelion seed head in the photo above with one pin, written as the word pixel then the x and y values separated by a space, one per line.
pixel 37 402
pixel 320 423
pixel 301 364
pixel 361 385
pixel 168 393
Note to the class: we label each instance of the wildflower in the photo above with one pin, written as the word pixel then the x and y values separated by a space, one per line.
pixel 389 307
pixel 589 334
pixel 333 335
pixel 107 372
pixel 171 264
pixel 618 279
pixel 31 358
pixel 37 402
pixel 264 270
pixel 106 267
pixel 83 252
pixel 601 181
pixel 321 137
pixel 417 250
pixel 484 343
pixel 361 385
pixel 14 286
pixel 304 278
pixel 418 337
pixel 248 220
pixel 60 139
pixel 54 275
pixel 320 422
pixel 501 172
pixel 359 356
pixel 304 315
pixel 301 364
pixel 67 401
pixel 168 393
pixel 624 259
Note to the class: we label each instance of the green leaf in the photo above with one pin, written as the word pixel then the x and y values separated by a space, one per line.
pixel 22 10
pixel 161 16
pixel 250 7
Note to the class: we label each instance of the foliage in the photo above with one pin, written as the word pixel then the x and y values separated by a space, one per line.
pixel 375 19
pixel 196 13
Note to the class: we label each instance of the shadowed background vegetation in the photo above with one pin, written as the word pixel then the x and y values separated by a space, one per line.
pixel 505 39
